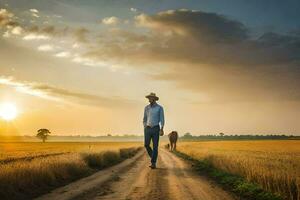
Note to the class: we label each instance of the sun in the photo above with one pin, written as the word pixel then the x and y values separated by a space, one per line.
pixel 8 111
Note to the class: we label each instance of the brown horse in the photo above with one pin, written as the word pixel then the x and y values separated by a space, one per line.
pixel 173 136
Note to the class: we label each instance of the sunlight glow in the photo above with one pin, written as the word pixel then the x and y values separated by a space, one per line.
pixel 8 111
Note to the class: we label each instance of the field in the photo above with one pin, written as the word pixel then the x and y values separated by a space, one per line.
pixel 31 169
pixel 275 165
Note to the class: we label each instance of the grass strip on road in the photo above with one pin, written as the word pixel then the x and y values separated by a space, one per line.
pixel 108 158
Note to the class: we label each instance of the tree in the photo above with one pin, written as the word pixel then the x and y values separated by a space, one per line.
pixel 187 135
pixel 43 134
pixel 221 134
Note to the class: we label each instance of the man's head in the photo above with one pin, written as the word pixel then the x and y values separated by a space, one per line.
pixel 152 98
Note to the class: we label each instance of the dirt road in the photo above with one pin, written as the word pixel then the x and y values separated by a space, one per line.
pixel 133 180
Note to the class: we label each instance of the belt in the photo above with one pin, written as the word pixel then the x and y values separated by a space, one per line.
pixel 152 126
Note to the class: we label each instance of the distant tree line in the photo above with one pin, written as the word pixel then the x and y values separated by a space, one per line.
pixel 223 136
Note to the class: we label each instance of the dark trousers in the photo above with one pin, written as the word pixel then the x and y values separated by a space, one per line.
pixel 152 134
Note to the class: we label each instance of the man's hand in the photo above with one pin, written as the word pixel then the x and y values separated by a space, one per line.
pixel 161 131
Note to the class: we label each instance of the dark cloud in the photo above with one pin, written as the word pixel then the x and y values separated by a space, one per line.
pixel 48 30
pixel 81 35
pixel 7 19
pixel 209 53
pixel 196 24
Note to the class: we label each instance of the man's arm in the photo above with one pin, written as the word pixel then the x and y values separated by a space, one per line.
pixel 145 118
pixel 162 117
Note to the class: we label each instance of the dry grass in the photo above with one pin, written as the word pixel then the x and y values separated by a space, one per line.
pixel 14 150
pixel 30 169
pixel 273 164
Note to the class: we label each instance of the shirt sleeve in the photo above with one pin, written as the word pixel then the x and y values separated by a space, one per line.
pixel 162 117
pixel 145 117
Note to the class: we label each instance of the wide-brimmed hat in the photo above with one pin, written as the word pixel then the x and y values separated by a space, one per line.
pixel 152 95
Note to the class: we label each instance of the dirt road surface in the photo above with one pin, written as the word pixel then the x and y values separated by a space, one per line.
pixel 134 180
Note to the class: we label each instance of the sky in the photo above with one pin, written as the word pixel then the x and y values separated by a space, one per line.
pixel 85 66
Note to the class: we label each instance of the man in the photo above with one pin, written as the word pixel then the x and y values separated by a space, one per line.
pixel 153 115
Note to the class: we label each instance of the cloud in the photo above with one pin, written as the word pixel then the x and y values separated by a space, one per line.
pixel 85 61
pixel 33 10
pixel 25 87
pixel 172 35
pixel 110 20
pixel 9 23
pixel 81 35
pixel 46 47
pixel 35 15
pixel 199 51
pixel 46 30
pixel 6 34
pixel 57 16
pixel 207 53
pixel 63 54
pixel 35 36
pixel 7 19
pixel 44 33
pixel 133 9
pixel 64 95
pixel 17 30
pixel 5 16
pixel 202 25
pixel 75 45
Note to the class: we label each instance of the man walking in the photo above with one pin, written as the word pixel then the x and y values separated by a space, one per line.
pixel 153 115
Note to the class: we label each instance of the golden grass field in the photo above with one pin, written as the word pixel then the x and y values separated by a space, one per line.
pixel 30 169
pixel 273 164
pixel 16 150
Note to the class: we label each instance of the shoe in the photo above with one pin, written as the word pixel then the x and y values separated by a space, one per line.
pixel 153 166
